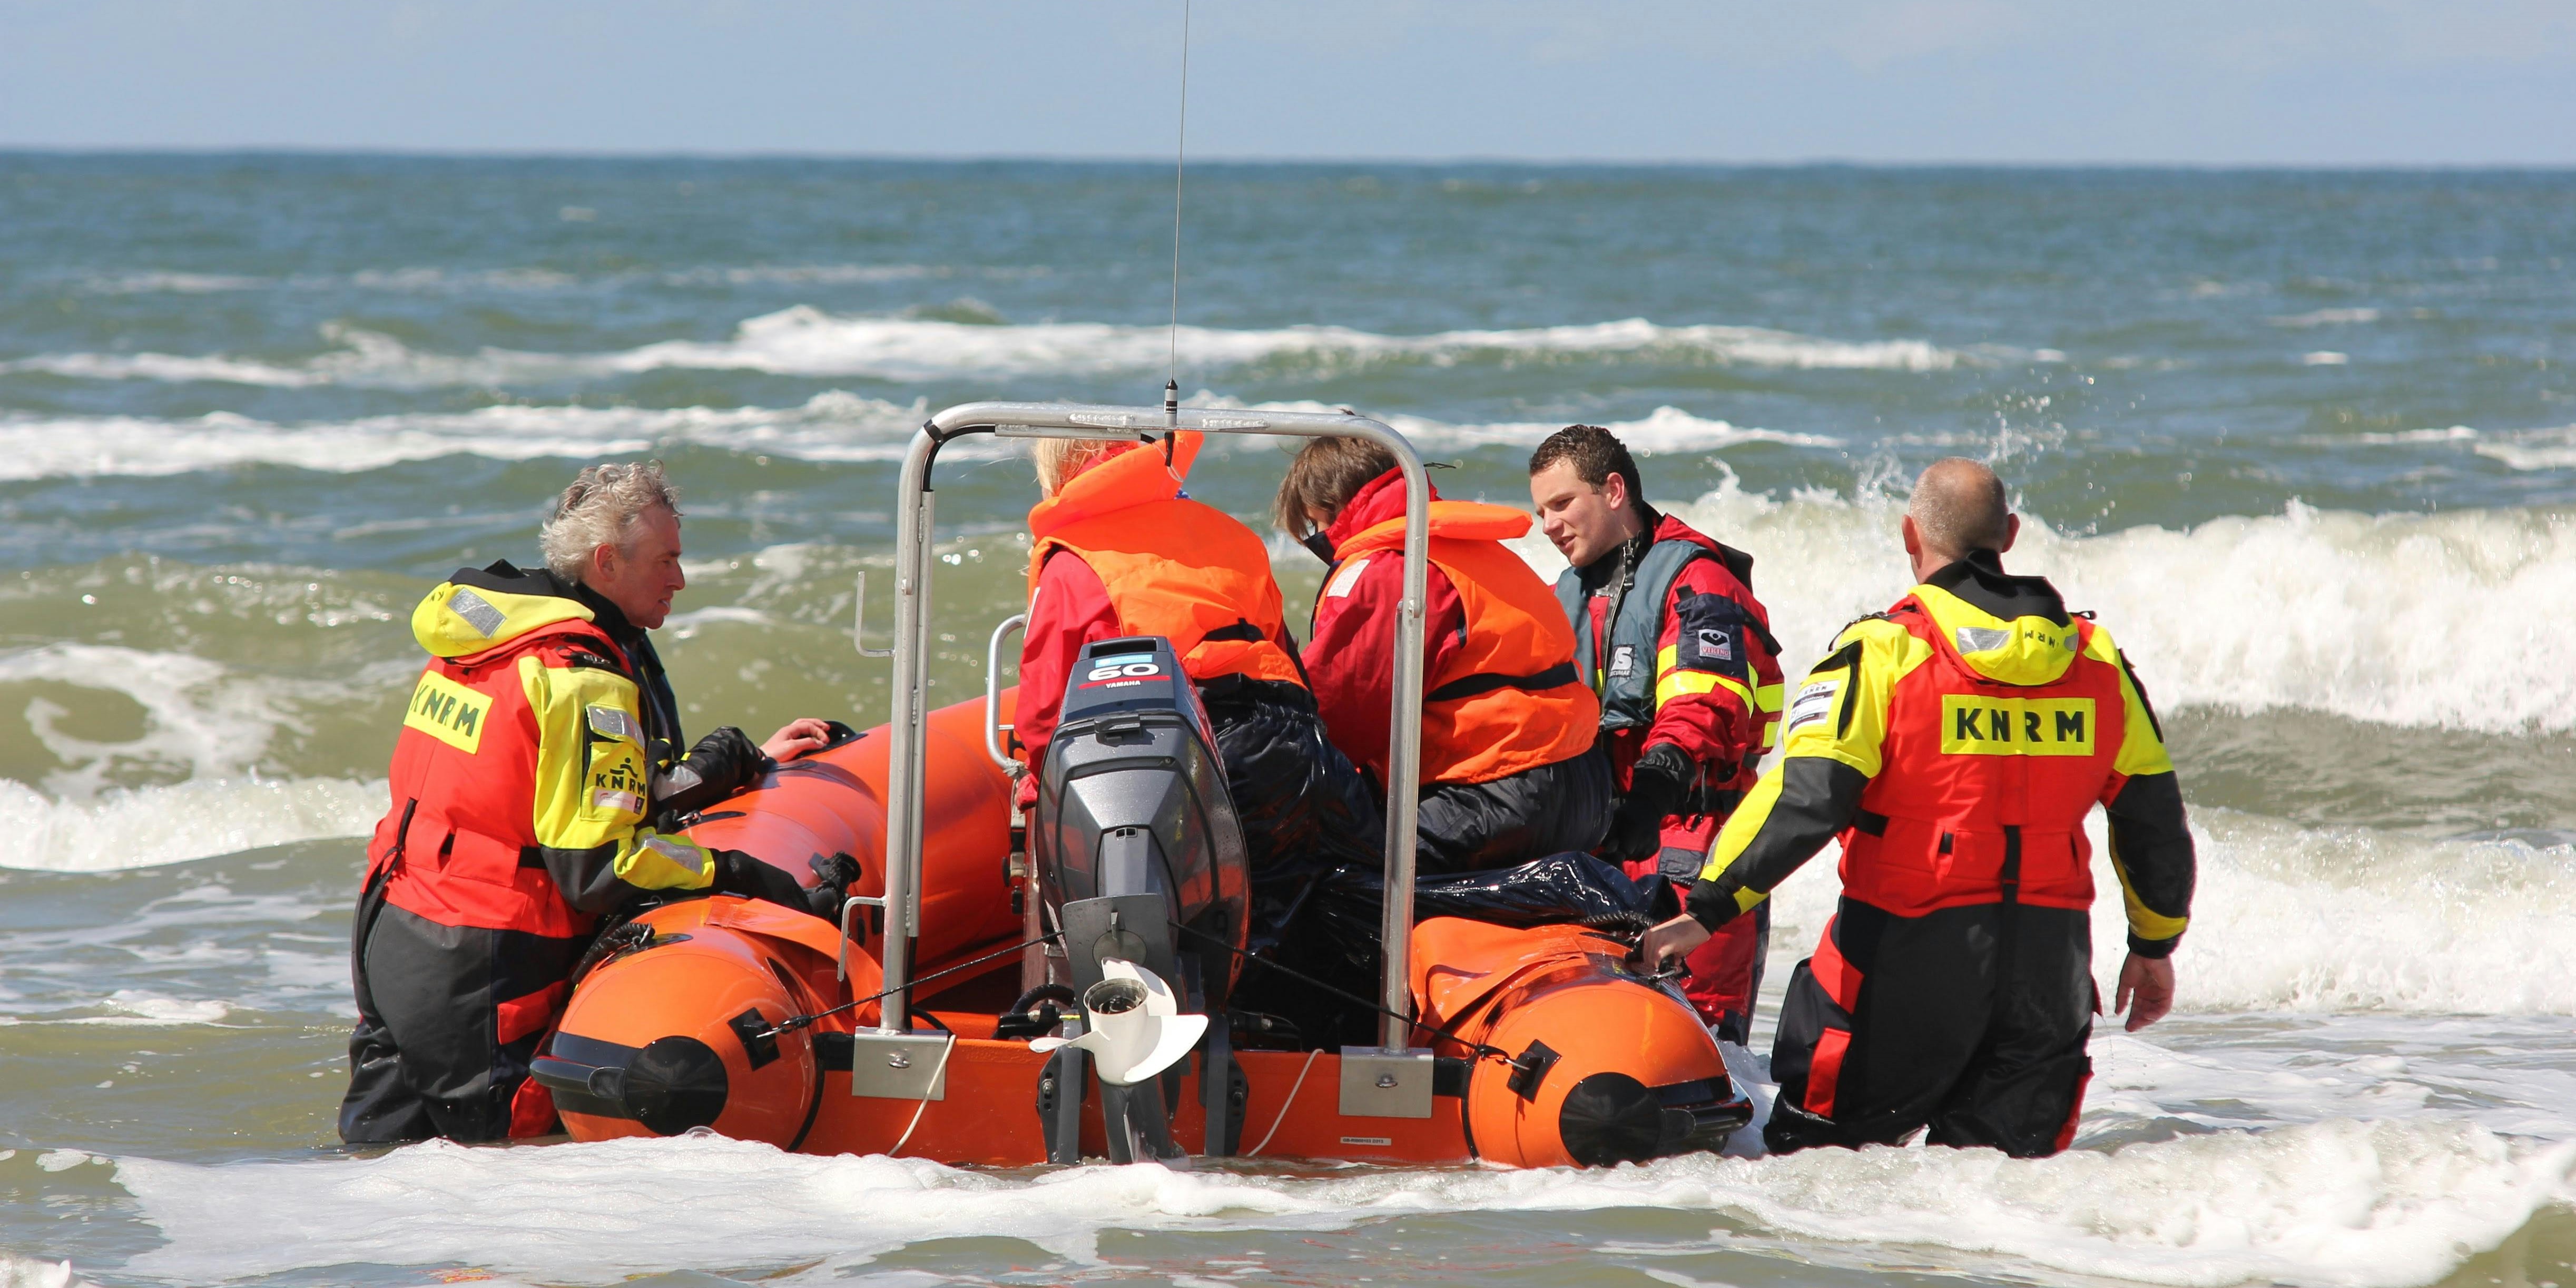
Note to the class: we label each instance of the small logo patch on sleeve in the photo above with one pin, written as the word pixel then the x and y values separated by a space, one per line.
pixel 1814 703
pixel 1348 577
pixel 1623 659
pixel 623 802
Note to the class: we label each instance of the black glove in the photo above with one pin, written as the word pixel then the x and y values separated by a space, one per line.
pixel 739 873
pixel 1655 789
pixel 833 878
pixel 723 762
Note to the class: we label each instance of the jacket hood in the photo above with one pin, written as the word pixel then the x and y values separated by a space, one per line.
pixel 1374 519
pixel 2012 630
pixel 1129 475
pixel 477 609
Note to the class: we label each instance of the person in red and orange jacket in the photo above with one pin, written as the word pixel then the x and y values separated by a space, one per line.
pixel 1954 745
pixel 1119 549
pixel 1508 772
pixel 1670 636
pixel 538 750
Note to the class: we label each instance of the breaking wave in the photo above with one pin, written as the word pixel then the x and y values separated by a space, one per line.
pixel 805 341
pixel 830 427
pixel 2405 619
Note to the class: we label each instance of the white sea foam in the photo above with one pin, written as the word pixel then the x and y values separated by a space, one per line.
pixel 157 283
pixel 150 826
pixel 2526 450
pixel 805 341
pixel 128 1007
pixel 2400 619
pixel 203 724
pixel 2232 1072
pixel 2532 449
pixel 1665 429
pixel 198 717
pixel 834 426
pixel 2454 927
pixel 32 1272
pixel 2328 317
pixel 831 426
pixel 2336 1203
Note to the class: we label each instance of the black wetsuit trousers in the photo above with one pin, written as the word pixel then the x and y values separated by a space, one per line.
pixel 1306 813
pixel 427 1058
pixel 1967 1023
pixel 1471 827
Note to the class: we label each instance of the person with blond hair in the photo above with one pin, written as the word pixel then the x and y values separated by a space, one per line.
pixel 1118 549
pixel 534 780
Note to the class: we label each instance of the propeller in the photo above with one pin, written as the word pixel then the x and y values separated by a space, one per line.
pixel 1133 1025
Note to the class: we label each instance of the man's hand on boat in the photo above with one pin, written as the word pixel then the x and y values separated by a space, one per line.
pixel 797 737
pixel 1668 943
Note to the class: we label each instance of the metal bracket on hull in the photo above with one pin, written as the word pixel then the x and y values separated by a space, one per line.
pixel 1387 1084
pixel 889 1064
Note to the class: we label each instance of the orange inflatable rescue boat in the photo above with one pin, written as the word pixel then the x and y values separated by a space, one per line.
pixel 992 1002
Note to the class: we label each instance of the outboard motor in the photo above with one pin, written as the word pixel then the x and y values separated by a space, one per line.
pixel 1135 834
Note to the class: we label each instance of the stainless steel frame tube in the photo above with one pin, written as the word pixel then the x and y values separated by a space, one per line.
pixel 912 632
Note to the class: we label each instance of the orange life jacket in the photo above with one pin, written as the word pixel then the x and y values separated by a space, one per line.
pixel 460 845
pixel 1509 700
pixel 1172 566
pixel 1986 783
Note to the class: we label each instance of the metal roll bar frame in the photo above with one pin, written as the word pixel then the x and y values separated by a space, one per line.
pixel 906 770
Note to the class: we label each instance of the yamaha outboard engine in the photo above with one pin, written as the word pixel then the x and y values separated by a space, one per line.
pixel 1135 835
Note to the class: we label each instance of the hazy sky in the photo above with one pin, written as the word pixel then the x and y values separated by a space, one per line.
pixel 2247 81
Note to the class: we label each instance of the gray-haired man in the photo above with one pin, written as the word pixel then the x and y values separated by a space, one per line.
pixel 537 763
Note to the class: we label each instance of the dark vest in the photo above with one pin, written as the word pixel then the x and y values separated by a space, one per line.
pixel 1625 680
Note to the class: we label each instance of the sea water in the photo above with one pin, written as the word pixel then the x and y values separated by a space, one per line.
pixel 2303 440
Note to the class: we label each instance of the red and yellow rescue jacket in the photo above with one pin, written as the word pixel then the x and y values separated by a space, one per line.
pixel 522 776
pixel 1500 695
pixel 1173 567
pixel 1955 744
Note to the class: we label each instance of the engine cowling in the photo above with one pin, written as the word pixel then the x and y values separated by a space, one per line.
pixel 1132 801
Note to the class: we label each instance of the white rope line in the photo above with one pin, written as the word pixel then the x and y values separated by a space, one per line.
pixel 1285 1104
pixel 936 1069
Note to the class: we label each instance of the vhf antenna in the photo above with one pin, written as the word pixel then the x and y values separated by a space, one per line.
pixel 1180 154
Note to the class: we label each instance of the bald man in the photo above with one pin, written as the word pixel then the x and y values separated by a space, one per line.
pixel 1954 745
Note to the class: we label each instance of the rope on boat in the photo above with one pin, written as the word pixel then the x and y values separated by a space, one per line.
pixel 1293 1087
pixel 795 1022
